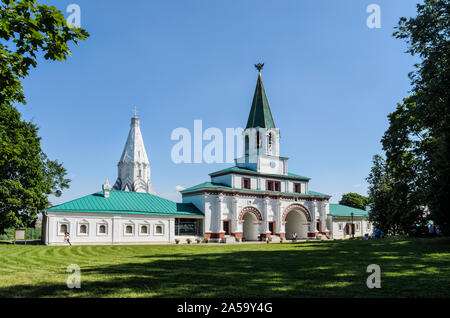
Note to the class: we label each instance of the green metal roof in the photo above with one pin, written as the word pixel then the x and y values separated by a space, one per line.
pixel 343 210
pixel 248 171
pixel 219 186
pixel 260 113
pixel 128 203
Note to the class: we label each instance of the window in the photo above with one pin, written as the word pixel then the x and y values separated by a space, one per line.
pixel 102 229
pixel 159 230
pixel 83 229
pixel 297 188
pixel 129 229
pixel 140 173
pixel 144 229
pixel 63 228
pixel 273 185
pixel 269 141
pixel 258 140
pixel 246 144
pixel 340 226
pixel 246 183
pixel 357 226
pixel 189 227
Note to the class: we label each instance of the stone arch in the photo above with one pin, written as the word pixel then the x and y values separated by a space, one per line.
pixel 252 210
pixel 298 207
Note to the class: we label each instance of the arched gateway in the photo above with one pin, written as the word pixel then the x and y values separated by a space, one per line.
pixel 250 218
pixel 296 218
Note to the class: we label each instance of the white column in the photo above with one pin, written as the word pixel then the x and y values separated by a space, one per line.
pixel 312 225
pixel 234 220
pixel 115 230
pixel 219 214
pixel 279 227
pixel 265 216
pixel 323 215
pixel 171 229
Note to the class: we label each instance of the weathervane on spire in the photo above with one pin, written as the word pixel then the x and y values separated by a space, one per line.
pixel 259 67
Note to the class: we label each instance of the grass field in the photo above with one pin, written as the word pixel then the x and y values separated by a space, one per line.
pixel 409 268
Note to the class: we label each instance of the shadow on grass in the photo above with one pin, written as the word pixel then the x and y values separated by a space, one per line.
pixel 410 268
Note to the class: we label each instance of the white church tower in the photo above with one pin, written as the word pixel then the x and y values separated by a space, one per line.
pixel 134 167
pixel 261 137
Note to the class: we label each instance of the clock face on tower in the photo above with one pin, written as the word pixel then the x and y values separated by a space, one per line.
pixel 273 164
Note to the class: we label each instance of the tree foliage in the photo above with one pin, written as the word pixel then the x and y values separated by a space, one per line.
pixel 27 176
pixel 417 142
pixel 355 200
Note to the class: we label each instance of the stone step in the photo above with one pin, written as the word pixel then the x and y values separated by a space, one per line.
pixel 229 239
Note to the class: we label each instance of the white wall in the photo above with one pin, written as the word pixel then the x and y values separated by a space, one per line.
pixel 115 228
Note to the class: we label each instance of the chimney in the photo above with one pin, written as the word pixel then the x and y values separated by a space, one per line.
pixel 106 189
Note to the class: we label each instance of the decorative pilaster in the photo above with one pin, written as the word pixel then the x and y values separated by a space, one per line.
pixel 265 232
pixel 323 217
pixel 220 233
pixel 312 226
pixel 279 227
pixel 235 230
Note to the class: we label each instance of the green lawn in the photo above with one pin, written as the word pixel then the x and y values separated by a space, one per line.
pixel 410 268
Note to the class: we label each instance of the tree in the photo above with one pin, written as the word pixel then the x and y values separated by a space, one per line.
pixel 355 200
pixel 27 176
pixel 417 142
pixel 380 193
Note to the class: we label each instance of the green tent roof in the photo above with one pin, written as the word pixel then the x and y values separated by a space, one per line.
pixel 128 203
pixel 343 210
pixel 248 171
pixel 260 114
pixel 219 186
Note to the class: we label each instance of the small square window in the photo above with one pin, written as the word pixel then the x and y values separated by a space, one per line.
pixel 102 229
pixel 129 229
pixel 297 188
pixel 144 229
pixel 159 229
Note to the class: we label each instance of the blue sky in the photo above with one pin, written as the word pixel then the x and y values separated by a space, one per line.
pixel 330 80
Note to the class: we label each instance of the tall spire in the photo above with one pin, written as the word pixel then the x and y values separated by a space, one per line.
pixel 134 167
pixel 260 113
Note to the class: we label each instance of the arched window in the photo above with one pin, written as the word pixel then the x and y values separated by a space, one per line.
pixel 83 228
pixel 102 229
pixel 246 144
pixel 63 228
pixel 159 229
pixel 140 173
pixel 258 140
pixel 144 229
pixel 270 140
pixel 129 229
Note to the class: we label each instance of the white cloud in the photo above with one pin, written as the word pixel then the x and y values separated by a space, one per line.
pixel 179 188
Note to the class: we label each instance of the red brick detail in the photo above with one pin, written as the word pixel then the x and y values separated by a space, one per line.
pixel 265 235
pixel 208 235
pixel 217 235
pixel 312 234
pixel 283 235
pixel 237 235
pixel 325 233
pixel 299 207
pixel 250 209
